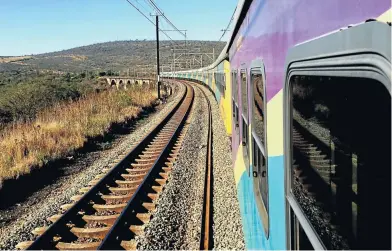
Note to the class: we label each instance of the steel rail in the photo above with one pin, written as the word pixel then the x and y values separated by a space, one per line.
pixel 206 240
pixel 119 230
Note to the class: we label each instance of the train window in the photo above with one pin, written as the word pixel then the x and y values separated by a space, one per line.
pixel 244 95
pixel 235 87
pixel 244 102
pixel 219 82
pixel 235 98
pixel 341 159
pixel 258 104
pixel 245 134
pixel 260 165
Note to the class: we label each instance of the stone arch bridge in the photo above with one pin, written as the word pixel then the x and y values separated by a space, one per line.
pixel 123 82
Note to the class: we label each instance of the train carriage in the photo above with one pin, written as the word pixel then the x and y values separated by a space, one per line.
pixel 304 89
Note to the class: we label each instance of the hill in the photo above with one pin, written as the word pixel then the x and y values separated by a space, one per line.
pixel 115 56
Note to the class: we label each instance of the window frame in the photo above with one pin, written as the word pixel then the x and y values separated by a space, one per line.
pixel 346 53
pixel 244 115
pixel 234 82
pixel 257 66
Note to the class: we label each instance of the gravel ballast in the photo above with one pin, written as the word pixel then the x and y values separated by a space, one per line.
pixel 176 223
pixel 227 226
pixel 47 201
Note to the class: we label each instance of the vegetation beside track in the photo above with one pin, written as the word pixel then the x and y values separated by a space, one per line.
pixel 60 129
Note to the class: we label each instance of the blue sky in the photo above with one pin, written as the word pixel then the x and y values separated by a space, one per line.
pixel 32 27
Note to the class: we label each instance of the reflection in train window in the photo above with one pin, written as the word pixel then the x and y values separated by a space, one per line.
pixel 244 95
pixel 235 86
pixel 258 104
pixel 341 159
pixel 235 98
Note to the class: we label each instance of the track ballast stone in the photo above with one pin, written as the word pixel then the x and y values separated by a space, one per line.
pixel 35 214
pixel 176 223
pixel 227 225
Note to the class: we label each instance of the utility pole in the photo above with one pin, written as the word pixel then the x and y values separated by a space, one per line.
pixel 157 35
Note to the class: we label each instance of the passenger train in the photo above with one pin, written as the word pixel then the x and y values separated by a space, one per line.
pixel 304 90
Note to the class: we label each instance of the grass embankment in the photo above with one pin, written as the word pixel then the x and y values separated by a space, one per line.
pixel 22 97
pixel 57 131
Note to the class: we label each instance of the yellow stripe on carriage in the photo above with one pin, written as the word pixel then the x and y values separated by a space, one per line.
pixel 275 125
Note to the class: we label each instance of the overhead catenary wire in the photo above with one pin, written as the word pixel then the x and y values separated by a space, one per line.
pixel 158 10
pixel 151 21
pixel 146 8
pixel 227 28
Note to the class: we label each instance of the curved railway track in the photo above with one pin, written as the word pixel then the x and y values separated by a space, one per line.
pixel 206 240
pixel 113 209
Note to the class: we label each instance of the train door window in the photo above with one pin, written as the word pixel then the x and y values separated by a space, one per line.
pixel 244 103
pixel 235 99
pixel 260 163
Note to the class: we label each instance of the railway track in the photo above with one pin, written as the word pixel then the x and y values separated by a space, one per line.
pixel 206 240
pixel 112 211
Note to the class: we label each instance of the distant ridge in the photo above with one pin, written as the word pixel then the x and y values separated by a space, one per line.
pixel 115 56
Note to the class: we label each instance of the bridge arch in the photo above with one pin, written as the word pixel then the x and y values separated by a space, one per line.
pixel 113 83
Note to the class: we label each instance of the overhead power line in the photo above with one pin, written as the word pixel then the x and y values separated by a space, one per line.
pixel 158 10
pixel 151 21
pixel 227 28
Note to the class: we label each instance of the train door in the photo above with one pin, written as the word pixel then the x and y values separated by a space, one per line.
pixel 258 142
pixel 338 140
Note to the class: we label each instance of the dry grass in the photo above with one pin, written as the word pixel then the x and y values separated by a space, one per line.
pixel 13 59
pixel 61 129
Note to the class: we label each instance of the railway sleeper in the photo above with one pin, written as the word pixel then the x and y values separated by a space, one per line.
pixel 122 190
pixel 150 206
pixel 136 229
pixel 133 176
pixel 157 189
pixel 54 218
pixel 153 196
pixel 137 170
pixel 65 207
pixel 105 219
pixel 117 198
pixel 39 230
pixel 98 233
pixel 129 245
pixel 145 155
pixel 151 152
pixel 145 161
pixel 142 165
pixel 144 217
pixel 77 246
pixel 104 208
